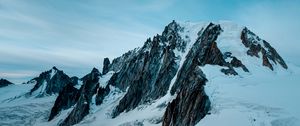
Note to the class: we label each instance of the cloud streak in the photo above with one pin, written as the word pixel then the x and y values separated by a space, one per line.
pixel 36 35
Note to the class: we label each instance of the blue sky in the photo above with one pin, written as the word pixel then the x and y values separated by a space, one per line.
pixel 75 35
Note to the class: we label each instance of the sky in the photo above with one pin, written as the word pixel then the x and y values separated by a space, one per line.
pixel 75 35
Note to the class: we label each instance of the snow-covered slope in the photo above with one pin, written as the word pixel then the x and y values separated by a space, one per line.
pixel 18 110
pixel 192 74
pixel 260 98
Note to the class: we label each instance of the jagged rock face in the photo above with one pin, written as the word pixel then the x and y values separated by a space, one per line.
pixel 237 63
pixel 234 63
pixel 90 84
pixel 119 62
pixel 102 92
pixel 106 64
pixel 66 98
pixel 130 71
pixel 44 76
pixel 149 73
pixel 131 99
pixel 198 53
pixel 206 48
pixel 191 104
pixel 212 54
pixel 54 80
pixel 4 83
pixel 256 45
pixel 78 113
pixel 167 72
pixel 57 82
pixel 87 90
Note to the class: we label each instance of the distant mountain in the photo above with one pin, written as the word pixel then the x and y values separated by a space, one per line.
pixel 4 82
pixel 50 82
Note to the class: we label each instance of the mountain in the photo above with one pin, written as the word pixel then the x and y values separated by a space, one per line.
pixel 168 67
pixel 191 74
pixel 4 82
pixel 51 82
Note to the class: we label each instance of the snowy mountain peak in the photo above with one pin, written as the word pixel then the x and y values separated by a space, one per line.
pixel 50 82
pixel 169 81
pixel 165 75
pixel 53 72
pixel 237 42
pixel 261 48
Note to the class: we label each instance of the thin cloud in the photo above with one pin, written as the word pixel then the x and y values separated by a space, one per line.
pixel 35 38
pixel 76 36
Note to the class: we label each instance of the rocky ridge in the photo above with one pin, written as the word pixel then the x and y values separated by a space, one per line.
pixel 50 82
pixel 4 83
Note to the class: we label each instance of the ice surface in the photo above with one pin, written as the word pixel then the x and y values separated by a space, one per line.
pixel 17 109
pixel 262 98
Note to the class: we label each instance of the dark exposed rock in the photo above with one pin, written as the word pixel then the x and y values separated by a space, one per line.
pixel 272 54
pixel 212 54
pixel 32 81
pixel 229 71
pixel 4 83
pixel 121 61
pixel 44 76
pixel 106 64
pixel 198 54
pixel 167 72
pixel 131 99
pixel 53 84
pixel 191 104
pixel 237 63
pixel 227 55
pixel 130 71
pixel 139 74
pixel 66 98
pixel 78 113
pixel 234 63
pixel 251 41
pixel 148 74
pixel 266 61
pixel 102 92
pixel 87 90
pixel 74 80
pixel 57 82
pixel 256 45
pixel 90 84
